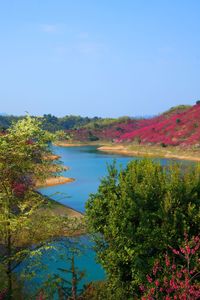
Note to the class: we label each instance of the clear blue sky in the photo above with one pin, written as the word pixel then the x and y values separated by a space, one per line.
pixel 98 57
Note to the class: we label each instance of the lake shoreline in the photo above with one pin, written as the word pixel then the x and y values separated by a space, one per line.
pixel 124 150
pixel 139 151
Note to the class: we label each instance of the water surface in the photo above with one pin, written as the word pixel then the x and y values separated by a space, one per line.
pixel 87 166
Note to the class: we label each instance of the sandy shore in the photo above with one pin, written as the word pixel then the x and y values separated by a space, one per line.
pixel 123 150
pixel 52 157
pixel 54 181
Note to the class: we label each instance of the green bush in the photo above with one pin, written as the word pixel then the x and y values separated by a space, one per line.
pixel 136 213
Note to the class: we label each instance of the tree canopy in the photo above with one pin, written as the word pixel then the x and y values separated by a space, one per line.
pixel 137 213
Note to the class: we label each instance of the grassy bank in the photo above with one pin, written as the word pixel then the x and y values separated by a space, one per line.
pixel 153 151
pixel 59 209
pixel 53 209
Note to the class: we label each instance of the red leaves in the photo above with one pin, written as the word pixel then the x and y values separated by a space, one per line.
pixel 167 261
pixel 21 185
pixel 157 283
pixel 175 251
pixel 150 280
pixel 156 267
pixel 19 189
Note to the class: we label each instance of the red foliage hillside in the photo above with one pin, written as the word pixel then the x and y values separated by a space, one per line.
pixel 182 128
pixel 111 132
pixel 178 126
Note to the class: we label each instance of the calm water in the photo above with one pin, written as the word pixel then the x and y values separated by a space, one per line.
pixel 87 166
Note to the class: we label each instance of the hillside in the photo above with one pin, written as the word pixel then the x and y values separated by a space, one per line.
pixel 176 128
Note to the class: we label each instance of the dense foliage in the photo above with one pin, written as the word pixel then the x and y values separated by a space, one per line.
pixel 52 123
pixel 24 159
pixel 136 213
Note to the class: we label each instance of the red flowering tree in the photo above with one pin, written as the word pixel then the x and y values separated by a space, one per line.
pixel 177 277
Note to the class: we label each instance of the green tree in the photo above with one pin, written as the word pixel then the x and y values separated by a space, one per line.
pixel 24 159
pixel 136 213
pixel 61 135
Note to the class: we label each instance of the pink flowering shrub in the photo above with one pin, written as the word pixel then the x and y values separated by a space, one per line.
pixel 177 276
pixel 166 130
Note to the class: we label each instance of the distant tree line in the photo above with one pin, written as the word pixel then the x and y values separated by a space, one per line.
pixel 52 123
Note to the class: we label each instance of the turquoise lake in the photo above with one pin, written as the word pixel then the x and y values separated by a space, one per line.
pixel 87 165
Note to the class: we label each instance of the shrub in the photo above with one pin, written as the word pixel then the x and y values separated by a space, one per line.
pixel 163 145
pixel 136 213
